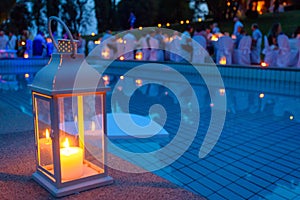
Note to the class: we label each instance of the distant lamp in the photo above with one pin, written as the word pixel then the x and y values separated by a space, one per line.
pixel 264 64
pixel 139 55
pixel 67 117
pixel 26 55
pixel 159 25
pixel 222 60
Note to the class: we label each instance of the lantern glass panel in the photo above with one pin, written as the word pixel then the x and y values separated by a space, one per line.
pixel 81 136
pixel 43 130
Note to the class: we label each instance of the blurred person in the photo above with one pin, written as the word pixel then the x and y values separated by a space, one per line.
pixel 12 42
pixel 186 44
pixel 237 24
pixel 256 44
pixel 161 45
pixel 131 20
pixel 275 31
pixel 129 45
pixel 215 29
pixel 3 40
pixel 39 44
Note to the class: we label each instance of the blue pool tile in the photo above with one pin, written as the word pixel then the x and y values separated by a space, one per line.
pixel 250 186
pixel 191 173
pixel 220 179
pixel 282 191
pixel 215 196
pixel 186 160
pixel 243 166
pixel 228 194
pixel 266 176
pixel 200 188
pixel 228 175
pixel 273 171
pixel 258 181
pixel 245 193
pixel 209 165
pixel 182 177
pixel 211 184
pixel 217 162
pixel 177 165
pixel 235 170
pixel 200 169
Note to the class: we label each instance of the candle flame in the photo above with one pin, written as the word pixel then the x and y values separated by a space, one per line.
pixel 66 143
pixel 47 134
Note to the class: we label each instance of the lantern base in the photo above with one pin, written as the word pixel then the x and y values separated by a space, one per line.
pixel 71 189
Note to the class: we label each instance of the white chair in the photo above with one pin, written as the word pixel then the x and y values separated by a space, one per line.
pixel 270 54
pixel 285 56
pixel 129 46
pixel 224 49
pixel 255 52
pixel 199 49
pixel 241 55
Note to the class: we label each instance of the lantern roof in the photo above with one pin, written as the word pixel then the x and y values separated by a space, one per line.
pixel 67 72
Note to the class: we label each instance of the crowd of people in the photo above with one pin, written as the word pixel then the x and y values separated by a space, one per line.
pixel 196 45
pixel 193 45
pixel 27 46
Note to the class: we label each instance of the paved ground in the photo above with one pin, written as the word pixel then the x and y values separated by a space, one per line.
pixel 17 163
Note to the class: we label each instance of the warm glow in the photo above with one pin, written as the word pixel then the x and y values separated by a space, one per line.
pixel 222 91
pixel 105 53
pixel 260 5
pixel 214 37
pixel 105 78
pixel 48 40
pixel 187 21
pixel 124 41
pixel 140 28
pixel 228 3
pixel 291 117
pixel 122 77
pixel 26 55
pixel 264 64
pixel 120 40
pixel 93 126
pixel 47 134
pixel 97 42
pixel 66 143
pixel 284 4
pixel 158 25
pixel 199 19
pixel 26 75
pixel 168 24
pixel 93 34
pixel 122 58
pixel 139 55
pixel 233 37
pixel 261 95
pixel 181 22
pixel 223 61
pixel 23 43
pixel 139 82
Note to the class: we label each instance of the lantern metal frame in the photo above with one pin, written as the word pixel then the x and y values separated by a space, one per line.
pixel 56 80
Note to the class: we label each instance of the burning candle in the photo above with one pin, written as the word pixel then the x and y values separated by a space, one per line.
pixel 71 161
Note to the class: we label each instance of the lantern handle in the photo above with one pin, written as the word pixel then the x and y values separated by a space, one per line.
pixel 68 32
